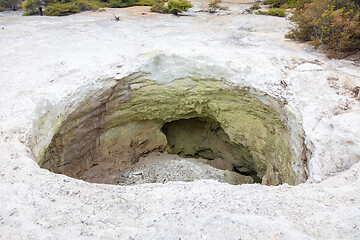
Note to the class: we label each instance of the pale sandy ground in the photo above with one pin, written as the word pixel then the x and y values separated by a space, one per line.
pixel 49 64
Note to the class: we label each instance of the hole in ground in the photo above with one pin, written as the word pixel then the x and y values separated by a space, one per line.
pixel 142 131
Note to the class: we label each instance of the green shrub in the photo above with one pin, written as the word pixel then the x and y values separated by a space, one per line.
pixel 31 7
pixel 173 6
pixel 67 7
pixel 49 2
pixel 58 9
pixel 2 9
pixel 255 6
pixel 122 3
pixel 330 24
pixel 86 5
pixel 159 7
pixel 214 6
pixel 178 6
pixel 145 3
pixel 278 12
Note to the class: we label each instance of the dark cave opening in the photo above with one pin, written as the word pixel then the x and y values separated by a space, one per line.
pixel 205 138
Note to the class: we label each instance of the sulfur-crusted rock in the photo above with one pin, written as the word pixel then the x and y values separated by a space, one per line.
pixel 191 117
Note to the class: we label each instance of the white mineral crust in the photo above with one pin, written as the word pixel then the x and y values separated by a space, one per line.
pixel 49 64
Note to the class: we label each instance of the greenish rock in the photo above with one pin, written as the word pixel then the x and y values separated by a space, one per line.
pixel 119 125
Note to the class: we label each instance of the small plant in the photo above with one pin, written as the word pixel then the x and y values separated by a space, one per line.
pixel 2 9
pixel 178 6
pixel 214 6
pixel 277 12
pixel 255 6
pixel 173 6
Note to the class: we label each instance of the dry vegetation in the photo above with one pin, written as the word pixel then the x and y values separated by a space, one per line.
pixel 333 25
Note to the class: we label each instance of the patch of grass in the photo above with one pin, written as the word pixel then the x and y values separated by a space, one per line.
pixel 276 12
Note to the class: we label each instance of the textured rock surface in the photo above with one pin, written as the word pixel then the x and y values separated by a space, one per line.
pixel 125 122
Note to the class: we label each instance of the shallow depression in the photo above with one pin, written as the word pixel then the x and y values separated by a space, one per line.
pixel 191 128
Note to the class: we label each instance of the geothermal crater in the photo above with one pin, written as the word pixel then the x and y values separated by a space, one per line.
pixel 157 98
pixel 133 132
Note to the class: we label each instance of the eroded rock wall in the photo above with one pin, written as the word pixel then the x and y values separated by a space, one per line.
pixel 111 132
